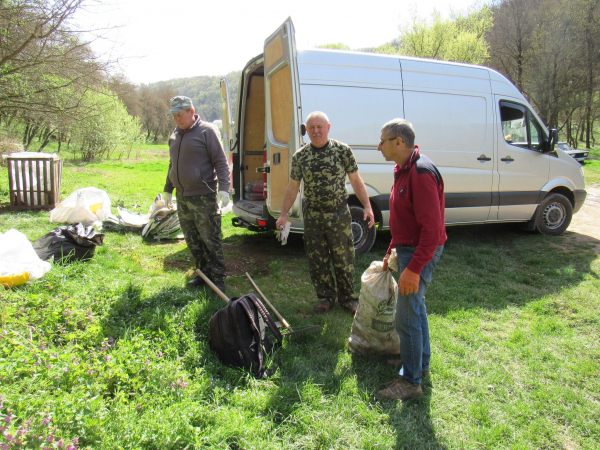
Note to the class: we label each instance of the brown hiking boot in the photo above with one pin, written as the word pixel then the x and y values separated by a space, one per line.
pixel 400 389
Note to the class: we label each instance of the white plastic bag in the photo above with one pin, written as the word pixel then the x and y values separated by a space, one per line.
pixel 89 206
pixel 18 260
pixel 373 329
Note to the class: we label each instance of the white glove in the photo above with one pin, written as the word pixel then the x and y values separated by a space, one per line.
pixel 168 198
pixel 284 232
pixel 224 197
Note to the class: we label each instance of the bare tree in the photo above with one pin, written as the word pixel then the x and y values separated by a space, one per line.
pixel 511 38
pixel 41 59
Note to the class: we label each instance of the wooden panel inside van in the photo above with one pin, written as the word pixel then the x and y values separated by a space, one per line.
pixel 254 129
pixel 281 104
pixel 274 52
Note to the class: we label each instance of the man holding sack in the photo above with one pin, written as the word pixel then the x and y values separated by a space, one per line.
pixel 418 234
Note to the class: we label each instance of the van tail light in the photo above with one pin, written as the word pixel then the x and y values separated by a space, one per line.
pixel 261 223
pixel 264 175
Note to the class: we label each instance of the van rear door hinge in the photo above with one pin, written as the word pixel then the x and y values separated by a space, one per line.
pixel 265 169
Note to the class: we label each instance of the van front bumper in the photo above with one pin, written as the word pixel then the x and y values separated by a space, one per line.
pixel 580 196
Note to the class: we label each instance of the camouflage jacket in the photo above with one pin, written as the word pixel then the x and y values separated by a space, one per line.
pixel 324 173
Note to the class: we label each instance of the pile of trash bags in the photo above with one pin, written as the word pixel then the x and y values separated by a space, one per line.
pixel 68 243
pixel 161 221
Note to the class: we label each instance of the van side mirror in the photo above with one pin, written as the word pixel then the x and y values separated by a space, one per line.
pixel 553 138
pixel 551 141
pixel 303 129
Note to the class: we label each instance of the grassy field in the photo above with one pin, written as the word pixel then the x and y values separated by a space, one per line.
pixel 113 352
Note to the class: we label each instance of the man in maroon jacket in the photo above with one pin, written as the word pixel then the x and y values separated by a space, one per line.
pixel 418 234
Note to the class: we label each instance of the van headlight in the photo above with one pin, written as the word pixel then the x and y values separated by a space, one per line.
pixel 582 172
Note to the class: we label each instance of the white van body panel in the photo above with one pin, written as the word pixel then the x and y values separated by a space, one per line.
pixel 489 175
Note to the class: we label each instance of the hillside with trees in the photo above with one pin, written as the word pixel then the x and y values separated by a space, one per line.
pixel 54 88
pixel 550 50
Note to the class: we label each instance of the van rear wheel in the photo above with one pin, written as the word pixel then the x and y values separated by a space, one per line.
pixel 554 215
pixel 364 237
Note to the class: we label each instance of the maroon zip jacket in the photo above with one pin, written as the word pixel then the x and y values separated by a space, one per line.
pixel 417 209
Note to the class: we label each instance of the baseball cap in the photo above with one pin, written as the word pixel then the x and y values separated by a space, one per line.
pixel 180 102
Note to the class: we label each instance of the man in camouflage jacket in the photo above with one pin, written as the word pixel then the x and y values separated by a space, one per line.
pixel 323 165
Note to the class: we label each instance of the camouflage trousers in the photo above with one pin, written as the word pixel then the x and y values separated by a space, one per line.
pixel 328 239
pixel 200 219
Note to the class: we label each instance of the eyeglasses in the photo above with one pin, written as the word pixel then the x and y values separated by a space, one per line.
pixel 390 139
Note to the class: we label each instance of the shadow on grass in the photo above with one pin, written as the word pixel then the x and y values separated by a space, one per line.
pixel 252 253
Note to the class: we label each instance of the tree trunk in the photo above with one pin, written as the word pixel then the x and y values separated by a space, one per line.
pixel 26 133
pixel 588 102
pixel 32 133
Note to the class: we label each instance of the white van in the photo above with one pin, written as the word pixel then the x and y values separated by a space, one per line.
pixel 497 158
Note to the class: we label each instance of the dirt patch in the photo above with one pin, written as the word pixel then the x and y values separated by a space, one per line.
pixel 585 226
pixel 248 258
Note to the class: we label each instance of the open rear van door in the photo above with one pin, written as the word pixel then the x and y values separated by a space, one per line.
pixel 283 115
pixel 227 125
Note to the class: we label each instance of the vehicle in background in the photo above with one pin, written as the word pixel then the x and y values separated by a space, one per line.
pixel 497 158
pixel 577 155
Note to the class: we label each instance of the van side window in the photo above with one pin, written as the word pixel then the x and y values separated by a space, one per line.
pixel 520 127
pixel 535 133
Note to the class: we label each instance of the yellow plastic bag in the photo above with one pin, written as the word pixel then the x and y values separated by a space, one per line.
pixel 14 280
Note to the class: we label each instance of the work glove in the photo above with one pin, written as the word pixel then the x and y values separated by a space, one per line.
pixel 409 282
pixel 224 197
pixel 283 232
pixel 168 198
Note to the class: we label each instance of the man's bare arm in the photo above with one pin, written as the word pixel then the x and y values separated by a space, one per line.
pixel 361 192
pixel 290 196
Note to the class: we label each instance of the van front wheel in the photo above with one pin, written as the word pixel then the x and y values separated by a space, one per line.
pixel 364 237
pixel 554 215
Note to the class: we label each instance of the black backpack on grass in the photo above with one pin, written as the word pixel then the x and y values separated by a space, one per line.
pixel 238 335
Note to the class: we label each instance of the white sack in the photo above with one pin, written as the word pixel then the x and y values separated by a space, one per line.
pixel 18 256
pixel 89 206
pixel 373 330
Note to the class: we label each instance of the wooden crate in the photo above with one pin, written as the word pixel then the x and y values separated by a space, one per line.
pixel 34 182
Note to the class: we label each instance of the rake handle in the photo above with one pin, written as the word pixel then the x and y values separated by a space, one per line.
pixel 279 316
pixel 212 285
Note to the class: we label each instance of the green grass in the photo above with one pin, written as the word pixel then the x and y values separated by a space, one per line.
pixel 591 168
pixel 114 351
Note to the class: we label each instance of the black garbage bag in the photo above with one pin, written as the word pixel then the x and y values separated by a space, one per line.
pixel 68 243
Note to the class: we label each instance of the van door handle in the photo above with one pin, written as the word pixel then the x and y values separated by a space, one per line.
pixel 484 158
pixel 507 159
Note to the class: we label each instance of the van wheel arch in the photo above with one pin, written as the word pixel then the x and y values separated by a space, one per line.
pixel 553 215
pixel 363 236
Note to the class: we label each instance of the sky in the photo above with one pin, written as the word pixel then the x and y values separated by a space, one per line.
pixel 158 40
